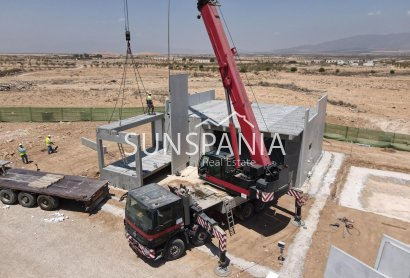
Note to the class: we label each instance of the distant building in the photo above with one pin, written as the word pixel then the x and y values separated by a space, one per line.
pixel 331 61
pixel 368 64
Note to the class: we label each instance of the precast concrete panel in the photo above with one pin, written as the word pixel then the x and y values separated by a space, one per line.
pixel 393 258
pixel 198 98
pixel 312 140
pixel 179 121
pixel 342 265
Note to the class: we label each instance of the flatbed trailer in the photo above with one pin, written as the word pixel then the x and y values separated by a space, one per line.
pixel 30 187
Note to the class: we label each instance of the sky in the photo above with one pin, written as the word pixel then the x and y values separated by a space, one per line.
pixel 89 26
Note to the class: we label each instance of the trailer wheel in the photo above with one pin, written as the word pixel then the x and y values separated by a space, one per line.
pixel 201 237
pixel 47 202
pixel 245 211
pixel 259 206
pixel 8 196
pixel 27 200
pixel 175 249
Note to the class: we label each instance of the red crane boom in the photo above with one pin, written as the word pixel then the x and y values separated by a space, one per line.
pixel 233 84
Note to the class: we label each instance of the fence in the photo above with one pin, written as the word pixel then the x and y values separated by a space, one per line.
pixel 374 138
pixel 369 137
pixel 46 114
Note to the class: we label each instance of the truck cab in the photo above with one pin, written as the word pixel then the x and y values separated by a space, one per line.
pixel 153 215
pixel 158 222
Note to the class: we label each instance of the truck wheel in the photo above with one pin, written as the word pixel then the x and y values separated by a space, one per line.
pixel 8 196
pixel 47 202
pixel 27 200
pixel 175 250
pixel 245 211
pixel 201 237
pixel 259 206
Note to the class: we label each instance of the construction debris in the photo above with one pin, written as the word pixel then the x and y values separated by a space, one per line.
pixel 16 86
pixel 57 217
pixel 348 225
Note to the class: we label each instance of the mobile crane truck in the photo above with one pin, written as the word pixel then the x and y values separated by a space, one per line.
pixel 160 222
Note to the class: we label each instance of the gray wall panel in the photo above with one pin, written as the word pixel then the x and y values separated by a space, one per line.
pixel 312 141
pixel 342 265
pixel 393 258
pixel 202 97
pixel 179 120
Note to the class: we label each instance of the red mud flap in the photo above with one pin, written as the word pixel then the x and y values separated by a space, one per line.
pixel 141 249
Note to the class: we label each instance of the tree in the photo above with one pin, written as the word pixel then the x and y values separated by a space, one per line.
pixel 293 69
pixel 321 70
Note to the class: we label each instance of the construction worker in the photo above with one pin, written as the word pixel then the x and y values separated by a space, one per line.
pixel 23 153
pixel 49 145
pixel 150 105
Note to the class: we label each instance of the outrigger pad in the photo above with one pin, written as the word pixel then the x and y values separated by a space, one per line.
pixel 223 271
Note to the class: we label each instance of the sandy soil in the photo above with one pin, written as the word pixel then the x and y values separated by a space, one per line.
pixel 382 103
pixel 387 110
pixel 81 246
pixel 318 187
pixel 362 243
pixel 71 158
pixel 262 232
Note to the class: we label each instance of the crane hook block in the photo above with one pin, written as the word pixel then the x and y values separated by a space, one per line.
pixel 127 35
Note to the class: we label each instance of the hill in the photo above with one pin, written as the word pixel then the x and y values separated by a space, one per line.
pixel 397 43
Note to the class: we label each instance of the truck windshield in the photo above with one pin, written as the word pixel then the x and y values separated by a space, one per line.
pixel 141 217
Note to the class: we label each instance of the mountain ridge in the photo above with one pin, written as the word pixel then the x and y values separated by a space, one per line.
pixel 399 42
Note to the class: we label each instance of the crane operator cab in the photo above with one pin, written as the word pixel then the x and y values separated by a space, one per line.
pixel 219 169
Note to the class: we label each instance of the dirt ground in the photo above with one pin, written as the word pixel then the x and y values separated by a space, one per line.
pixel 71 158
pixel 99 87
pixel 83 244
pixel 261 233
pixel 71 153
